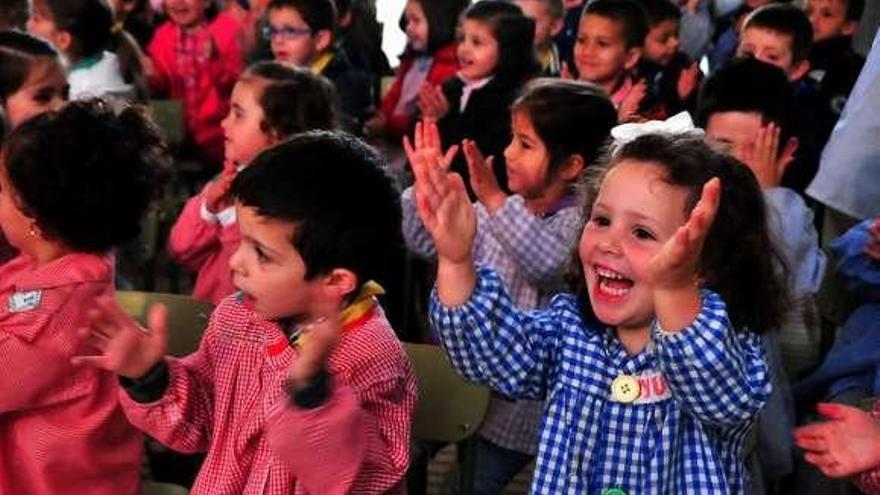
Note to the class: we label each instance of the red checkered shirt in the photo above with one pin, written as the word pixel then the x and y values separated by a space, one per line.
pixel 229 399
pixel 869 481
pixel 61 427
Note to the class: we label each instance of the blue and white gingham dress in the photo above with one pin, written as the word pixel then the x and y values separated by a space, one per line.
pixel 690 443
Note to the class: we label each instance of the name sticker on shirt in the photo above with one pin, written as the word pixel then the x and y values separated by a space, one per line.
pixel 20 302
pixel 651 388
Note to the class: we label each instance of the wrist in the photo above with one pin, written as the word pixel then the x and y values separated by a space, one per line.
pixel 677 307
pixel 455 281
pixel 494 201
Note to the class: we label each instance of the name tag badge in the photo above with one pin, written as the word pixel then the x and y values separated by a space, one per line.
pixel 648 388
pixel 19 302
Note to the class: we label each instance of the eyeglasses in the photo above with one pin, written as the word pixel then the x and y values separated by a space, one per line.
pixel 285 33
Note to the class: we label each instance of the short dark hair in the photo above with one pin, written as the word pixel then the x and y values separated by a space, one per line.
pixel 629 14
pixel 570 118
pixel 86 174
pixel 333 187
pixel 659 11
pixel 854 9
pixel 739 260
pixel 319 15
pixel 514 32
pixel 89 23
pixel 786 20
pixel 293 100
pixel 751 86
pixel 18 51
pixel 442 17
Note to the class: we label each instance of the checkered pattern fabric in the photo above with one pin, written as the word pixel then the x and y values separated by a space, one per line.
pixel 689 443
pixel 531 254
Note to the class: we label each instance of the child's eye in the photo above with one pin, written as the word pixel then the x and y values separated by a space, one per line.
pixel 644 234
pixel 261 256
pixel 600 221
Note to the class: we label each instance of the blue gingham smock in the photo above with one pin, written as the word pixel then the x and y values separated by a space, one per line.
pixel 689 443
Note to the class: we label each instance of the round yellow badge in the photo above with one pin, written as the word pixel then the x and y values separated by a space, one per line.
pixel 625 389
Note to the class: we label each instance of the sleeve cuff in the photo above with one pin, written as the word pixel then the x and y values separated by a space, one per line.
pixel 150 387
pixel 313 393
pixel 206 215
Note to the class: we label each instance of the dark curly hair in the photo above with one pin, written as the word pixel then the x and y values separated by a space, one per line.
pixel 86 174
pixel 739 260
pixel 293 100
pixel 334 189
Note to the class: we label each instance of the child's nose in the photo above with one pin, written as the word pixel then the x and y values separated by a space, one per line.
pixel 609 244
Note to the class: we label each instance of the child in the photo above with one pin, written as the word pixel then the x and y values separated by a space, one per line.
pixel 285 393
pixel 834 65
pixel 671 78
pixel 429 58
pixel 727 32
pixel 82 30
pixel 549 16
pixel 496 56
pixel 526 236
pixel 74 185
pixel 609 45
pixel 653 372
pixel 301 33
pixel 748 106
pixel 32 80
pixel 781 35
pixel 195 57
pixel 269 103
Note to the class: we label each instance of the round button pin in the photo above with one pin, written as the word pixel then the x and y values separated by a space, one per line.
pixel 625 388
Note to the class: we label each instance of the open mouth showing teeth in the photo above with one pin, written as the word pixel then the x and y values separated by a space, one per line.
pixel 612 283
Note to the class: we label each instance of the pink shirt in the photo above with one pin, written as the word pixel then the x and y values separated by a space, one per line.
pixel 229 399
pixel 61 427
pixel 203 243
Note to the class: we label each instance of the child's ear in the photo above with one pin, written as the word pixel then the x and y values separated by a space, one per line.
pixel 323 40
pixel 632 57
pixel 800 70
pixel 850 28
pixel 340 283
pixel 63 41
pixel 572 168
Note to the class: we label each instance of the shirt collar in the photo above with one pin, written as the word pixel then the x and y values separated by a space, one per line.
pixel 71 269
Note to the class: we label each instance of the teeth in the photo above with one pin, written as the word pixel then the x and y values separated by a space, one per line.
pixel 605 273
pixel 614 291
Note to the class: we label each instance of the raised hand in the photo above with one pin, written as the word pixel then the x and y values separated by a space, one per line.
pixel 687 81
pixel 629 107
pixel 322 336
pixel 125 347
pixel 482 176
pixel 217 197
pixel 446 211
pixel 762 156
pixel 427 147
pixel 675 266
pixel 846 444
pixel 432 102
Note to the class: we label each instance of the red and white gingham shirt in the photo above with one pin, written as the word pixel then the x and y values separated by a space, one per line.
pixel 869 481
pixel 61 427
pixel 229 399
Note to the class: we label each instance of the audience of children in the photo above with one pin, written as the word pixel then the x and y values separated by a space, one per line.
pixel 549 16
pixel 653 371
pixel 527 236
pixel 74 185
pixel 195 57
pixel 301 33
pixel 429 58
pixel 82 31
pixel 270 102
pixel 496 56
pixel 299 384
pixel 671 78
pixel 609 45
pixel 656 351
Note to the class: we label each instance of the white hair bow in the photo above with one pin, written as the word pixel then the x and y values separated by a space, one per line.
pixel 680 123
